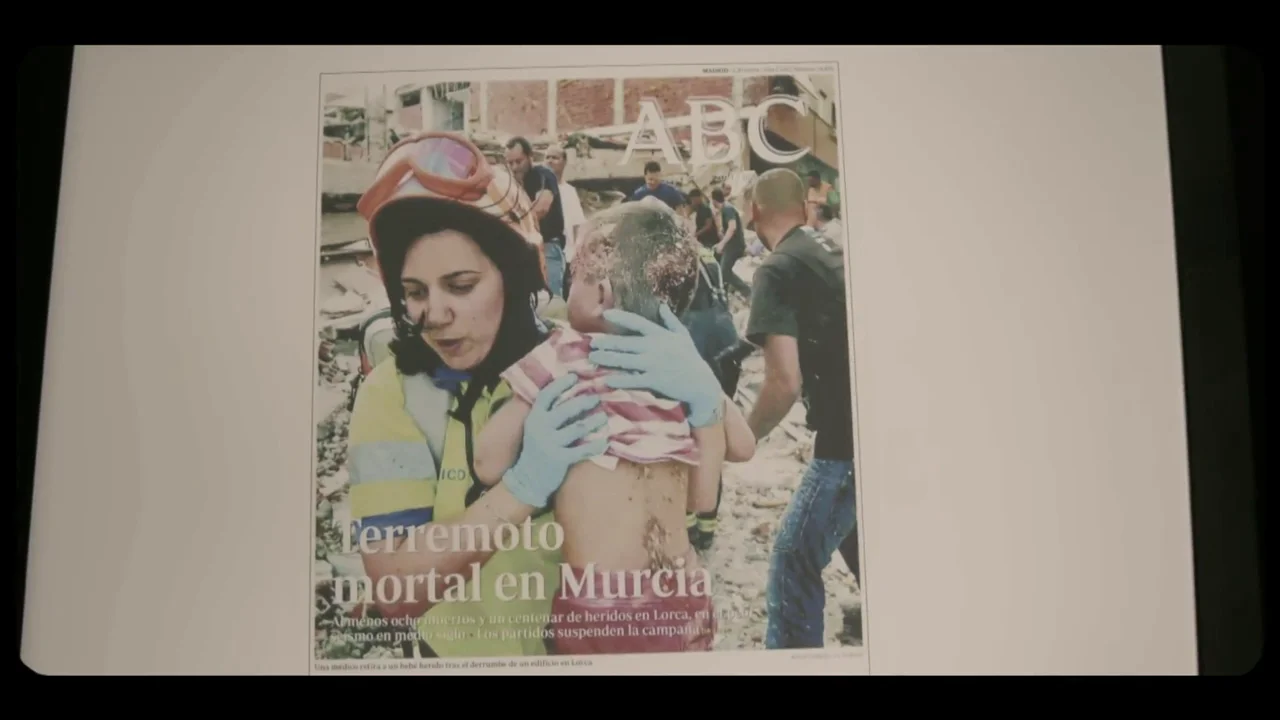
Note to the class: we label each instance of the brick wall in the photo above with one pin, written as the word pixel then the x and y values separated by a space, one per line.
pixel 754 89
pixel 518 107
pixel 583 104
pixel 672 95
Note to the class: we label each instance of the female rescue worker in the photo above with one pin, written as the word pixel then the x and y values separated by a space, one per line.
pixel 457 247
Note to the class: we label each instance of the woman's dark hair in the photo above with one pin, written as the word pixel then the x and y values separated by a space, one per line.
pixel 399 225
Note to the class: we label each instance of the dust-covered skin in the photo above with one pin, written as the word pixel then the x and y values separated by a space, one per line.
pixel 655 543
pixel 596 255
pixel 672 272
pixel 645 254
pixel 657 535
pixel 628 518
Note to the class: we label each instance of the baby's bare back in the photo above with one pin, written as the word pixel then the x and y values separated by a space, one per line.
pixel 628 518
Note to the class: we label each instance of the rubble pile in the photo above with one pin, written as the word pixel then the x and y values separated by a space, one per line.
pixel 353 289
pixel 337 373
pixel 334 369
pixel 331 444
pixel 336 641
pixel 335 636
pixel 337 369
pixel 594 202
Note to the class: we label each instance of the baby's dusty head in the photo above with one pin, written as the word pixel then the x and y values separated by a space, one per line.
pixel 632 257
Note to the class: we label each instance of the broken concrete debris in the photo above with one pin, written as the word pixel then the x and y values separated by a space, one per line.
pixel 353 288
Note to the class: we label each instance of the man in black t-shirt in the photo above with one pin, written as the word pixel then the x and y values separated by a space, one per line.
pixel 798 317
pixel 543 188
pixel 704 221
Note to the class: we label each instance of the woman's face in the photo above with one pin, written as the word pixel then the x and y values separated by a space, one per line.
pixel 457 292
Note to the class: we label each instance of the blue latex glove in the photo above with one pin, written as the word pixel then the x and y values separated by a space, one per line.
pixel 660 359
pixel 548 449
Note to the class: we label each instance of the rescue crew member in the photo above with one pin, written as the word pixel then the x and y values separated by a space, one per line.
pixel 655 186
pixel 456 244
pixel 798 317
pixel 543 187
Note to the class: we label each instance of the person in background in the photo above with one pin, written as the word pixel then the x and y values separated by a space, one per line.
pixel 654 186
pixel 816 198
pixel 733 243
pixel 704 221
pixel 557 159
pixel 798 316
pixel 543 188
pixel 728 362
pixel 684 212
pixel 726 191
pixel 710 322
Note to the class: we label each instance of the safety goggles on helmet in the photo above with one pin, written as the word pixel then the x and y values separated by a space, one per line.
pixel 448 166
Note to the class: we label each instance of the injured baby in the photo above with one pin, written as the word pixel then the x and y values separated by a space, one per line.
pixel 626 552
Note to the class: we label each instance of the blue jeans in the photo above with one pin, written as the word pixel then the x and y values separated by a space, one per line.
pixel 820 516
pixel 555 268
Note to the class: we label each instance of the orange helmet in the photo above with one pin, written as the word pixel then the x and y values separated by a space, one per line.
pixel 446 170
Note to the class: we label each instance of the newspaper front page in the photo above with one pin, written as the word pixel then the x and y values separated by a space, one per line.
pixel 512 476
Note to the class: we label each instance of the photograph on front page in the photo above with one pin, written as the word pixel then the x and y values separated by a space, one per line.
pixel 584 380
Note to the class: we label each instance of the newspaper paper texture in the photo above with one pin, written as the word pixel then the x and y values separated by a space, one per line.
pixel 474 227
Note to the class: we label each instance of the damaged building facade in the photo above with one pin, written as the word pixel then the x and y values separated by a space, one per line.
pixel 596 117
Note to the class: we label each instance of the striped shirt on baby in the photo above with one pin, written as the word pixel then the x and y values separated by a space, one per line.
pixel 642 427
